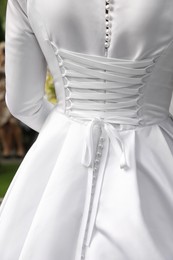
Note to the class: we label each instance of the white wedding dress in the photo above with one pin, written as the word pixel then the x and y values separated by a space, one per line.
pixel 97 184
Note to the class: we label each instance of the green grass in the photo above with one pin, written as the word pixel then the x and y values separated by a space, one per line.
pixel 7 172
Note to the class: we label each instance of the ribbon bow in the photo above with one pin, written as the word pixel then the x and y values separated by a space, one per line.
pixel 114 136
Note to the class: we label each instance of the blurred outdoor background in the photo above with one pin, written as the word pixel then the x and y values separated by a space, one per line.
pixel 15 137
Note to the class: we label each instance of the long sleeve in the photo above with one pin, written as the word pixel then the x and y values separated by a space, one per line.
pixel 25 68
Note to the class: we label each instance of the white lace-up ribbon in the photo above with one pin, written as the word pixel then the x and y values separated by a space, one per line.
pixel 104 87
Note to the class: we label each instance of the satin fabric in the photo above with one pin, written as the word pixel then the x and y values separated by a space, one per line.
pixel 50 211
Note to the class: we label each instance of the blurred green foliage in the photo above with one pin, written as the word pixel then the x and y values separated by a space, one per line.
pixel 3 4
pixel 50 89
pixel 7 172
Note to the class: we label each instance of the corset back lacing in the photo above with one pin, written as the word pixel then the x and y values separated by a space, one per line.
pixel 100 87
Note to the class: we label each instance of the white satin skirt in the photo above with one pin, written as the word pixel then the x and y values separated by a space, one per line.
pixel 53 211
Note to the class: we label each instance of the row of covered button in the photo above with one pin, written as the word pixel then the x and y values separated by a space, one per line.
pixel 108 24
pixel 94 180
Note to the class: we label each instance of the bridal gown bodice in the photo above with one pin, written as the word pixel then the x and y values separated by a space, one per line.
pixel 115 65
pixel 109 138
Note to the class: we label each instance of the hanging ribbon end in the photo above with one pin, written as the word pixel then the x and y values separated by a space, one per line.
pixel 124 167
pixel 123 163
